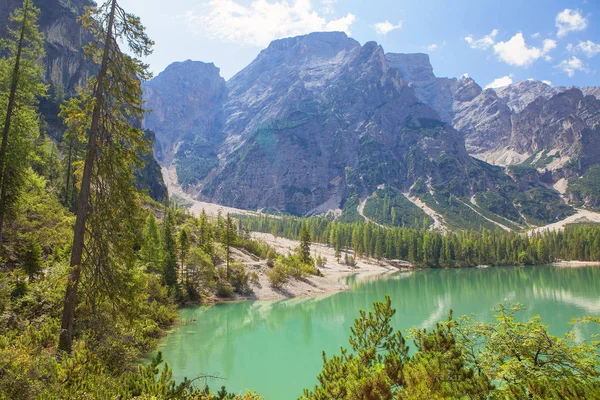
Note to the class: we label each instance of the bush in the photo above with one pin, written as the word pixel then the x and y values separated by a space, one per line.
pixel 224 289
pixel 278 276
pixel 239 278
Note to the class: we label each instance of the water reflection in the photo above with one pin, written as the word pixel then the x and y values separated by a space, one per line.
pixel 275 347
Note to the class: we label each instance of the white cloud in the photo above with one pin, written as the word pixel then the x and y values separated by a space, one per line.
pixel 262 21
pixel 500 82
pixel 569 21
pixel 549 45
pixel 465 75
pixel 536 35
pixel 484 42
pixel 516 52
pixel 589 48
pixel 383 28
pixel 432 47
pixel 571 66
pixel 547 83
pixel 328 6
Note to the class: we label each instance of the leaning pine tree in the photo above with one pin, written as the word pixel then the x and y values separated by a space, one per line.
pixel 107 208
pixel 20 88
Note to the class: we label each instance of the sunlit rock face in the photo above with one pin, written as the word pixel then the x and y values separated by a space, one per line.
pixel 313 118
pixel 318 118
pixel 67 67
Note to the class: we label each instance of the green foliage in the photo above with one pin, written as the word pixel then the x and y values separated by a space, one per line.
pixel 350 210
pixel 278 276
pixel 20 89
pixel 505 359
pixel 39 217
pixel 587 188
pixel 525 361
pixel 304 249
pixel 288 267
pixel 433 249
pixel 239 278
pixel 150 252
pixel 169 267
pixel 31 259
pixel 390 207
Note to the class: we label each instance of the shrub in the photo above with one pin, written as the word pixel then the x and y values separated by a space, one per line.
pixel 239 278
pixel 278 276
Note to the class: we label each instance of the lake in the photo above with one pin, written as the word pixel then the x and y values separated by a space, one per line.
pixel 274 348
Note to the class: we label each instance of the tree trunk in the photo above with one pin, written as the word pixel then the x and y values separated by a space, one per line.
pixel 9 111
pixel 70 302
pixel 68 177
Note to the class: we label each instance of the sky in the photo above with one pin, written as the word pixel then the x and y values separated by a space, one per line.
pixel 494 42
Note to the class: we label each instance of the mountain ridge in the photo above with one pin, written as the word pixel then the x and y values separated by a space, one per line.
pixel 317 120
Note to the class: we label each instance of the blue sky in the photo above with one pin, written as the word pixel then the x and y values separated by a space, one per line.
pixel 495 42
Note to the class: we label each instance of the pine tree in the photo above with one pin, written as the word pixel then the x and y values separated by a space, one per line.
pixel 107 207
pixel 184 247
pixel 228 237
pixel 150 250
pixel 169 269
pixel 20 73
pixel 31 259
pixel 305 246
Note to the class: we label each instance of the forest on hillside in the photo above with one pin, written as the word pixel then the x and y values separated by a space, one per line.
pixel 426 248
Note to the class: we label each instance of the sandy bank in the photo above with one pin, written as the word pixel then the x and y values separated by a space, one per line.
pixel 575 264
pixel 334 278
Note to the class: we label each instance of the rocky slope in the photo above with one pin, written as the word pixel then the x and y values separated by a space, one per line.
pixel 316 122
pixel 67 68
pixel 66 65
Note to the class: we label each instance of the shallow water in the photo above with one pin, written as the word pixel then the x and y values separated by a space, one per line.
pixel 274 348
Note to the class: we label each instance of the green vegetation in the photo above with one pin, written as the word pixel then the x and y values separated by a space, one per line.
pixel 433 249
pixel 297 265
pixel 503 359
pixel 350 210
pixel 83 296
pixel 542 161
pixel 20 88
pixel 390 207
pixel 587 188
pixel 192 168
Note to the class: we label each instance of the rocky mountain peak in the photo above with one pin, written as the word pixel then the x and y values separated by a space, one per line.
pixel 316 45
pixel 187 76
pixel 467 89
pixel 518 95
pixel 185 97
pixel 412 67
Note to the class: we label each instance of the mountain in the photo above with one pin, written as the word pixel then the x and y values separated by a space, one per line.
pixel 67 68
pixel 319 123
pixel 66 65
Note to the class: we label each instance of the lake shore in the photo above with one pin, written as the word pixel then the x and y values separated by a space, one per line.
pixel 575 264
pixel 334 273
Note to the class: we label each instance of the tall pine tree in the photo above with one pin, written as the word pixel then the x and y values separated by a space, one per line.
pixel 107 207
pixel 20 88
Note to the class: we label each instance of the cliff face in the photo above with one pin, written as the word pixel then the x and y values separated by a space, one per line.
pixel 568 123
pixel 66 65
pixel 433 91
pixel 67 68
pixel 316 120
pixel 185 99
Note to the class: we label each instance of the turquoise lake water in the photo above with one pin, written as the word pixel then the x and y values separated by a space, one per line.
pixel 274 348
